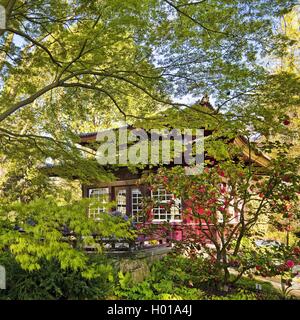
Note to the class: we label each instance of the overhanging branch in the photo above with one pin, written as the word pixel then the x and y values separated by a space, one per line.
pixel 35 42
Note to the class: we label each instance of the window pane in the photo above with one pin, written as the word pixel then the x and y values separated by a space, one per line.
pixel 121 201
pixel 166 207
pixel 136 198
pixel 102 197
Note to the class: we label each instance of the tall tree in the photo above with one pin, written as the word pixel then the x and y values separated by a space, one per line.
pixel 70 66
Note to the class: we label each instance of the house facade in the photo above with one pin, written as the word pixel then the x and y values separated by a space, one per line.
pixel 167 223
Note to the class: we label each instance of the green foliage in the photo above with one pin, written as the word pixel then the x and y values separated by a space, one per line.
pixel 181 278
pixel 153 289
pixel 120 61
pixel 50 282
pixel 44 229
pixel 171 278
pixel 240 295
pixel 72 66
pixel 267 290
pixel 281 236
pixel 198 272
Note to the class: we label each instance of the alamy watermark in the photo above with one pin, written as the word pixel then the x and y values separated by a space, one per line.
pixel 124 146
pixel 2 278
pixel 2 18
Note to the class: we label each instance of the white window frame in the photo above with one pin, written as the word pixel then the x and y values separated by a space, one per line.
pixel 136 213
pixel 101 209
pixel 175 209
pixel 121 205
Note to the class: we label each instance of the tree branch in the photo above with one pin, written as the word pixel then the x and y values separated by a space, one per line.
pixel 192 19
pixel 35 137
pixel 63 83
pixel 35 42
pixel 91 87
pixel 27 101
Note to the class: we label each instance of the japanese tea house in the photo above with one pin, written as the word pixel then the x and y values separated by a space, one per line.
pixel 128 193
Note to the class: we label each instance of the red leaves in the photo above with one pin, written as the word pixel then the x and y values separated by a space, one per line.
pixel 213 259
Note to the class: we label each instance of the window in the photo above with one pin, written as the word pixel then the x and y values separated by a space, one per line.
pixel 162 211
pixel 121 201
pixel 136 201
pixel 102 197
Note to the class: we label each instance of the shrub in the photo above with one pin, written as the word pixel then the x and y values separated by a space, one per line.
pixel 51 282
pixel 181 278
pixel 168 280
pixel 241 294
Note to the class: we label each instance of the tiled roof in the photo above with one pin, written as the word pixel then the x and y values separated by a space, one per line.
pixel 87 134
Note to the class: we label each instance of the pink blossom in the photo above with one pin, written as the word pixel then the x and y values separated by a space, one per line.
pixel 200 210
pixel 290 264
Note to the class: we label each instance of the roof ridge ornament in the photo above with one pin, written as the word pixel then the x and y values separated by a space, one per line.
pixel 205 99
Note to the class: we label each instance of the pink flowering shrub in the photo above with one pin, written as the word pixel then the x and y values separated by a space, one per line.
pixel 226 202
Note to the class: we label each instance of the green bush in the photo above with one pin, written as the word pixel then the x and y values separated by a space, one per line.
pixel 196 272
pixel 181 278
pixel 149 289
pixel 268 292
pixel 173 277
pixel 241 294
pixel 52 283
